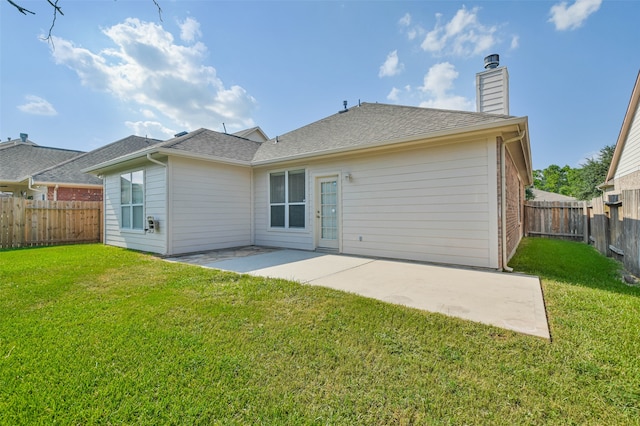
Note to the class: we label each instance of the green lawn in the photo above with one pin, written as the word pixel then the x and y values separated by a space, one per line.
pixel 98 335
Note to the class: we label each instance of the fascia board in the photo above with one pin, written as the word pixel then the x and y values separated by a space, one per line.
pixel 141 155
pixel 393 142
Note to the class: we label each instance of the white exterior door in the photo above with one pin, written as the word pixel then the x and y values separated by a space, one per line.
pixel 327 215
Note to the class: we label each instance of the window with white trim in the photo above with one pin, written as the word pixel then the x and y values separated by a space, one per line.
pixel 287 199
pixel 132 200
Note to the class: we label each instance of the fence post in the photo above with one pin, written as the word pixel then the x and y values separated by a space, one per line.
pixel 585 214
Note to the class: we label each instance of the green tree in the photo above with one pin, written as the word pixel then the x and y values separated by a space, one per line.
pixel 554 179
pixel 593 173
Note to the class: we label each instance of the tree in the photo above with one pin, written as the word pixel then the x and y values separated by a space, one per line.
pixel 58 10
pixel 593 173
pixel 581 183
pixel 554 179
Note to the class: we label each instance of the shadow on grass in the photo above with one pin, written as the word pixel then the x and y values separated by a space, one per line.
pixel 571 263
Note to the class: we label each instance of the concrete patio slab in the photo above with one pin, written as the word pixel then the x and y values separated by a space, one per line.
pixel 506 300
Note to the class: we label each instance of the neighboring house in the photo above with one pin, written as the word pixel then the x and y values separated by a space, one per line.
pixel 66 182
pixel 376 180
pixel 20 159
pixel 624 171
pixel 540 195
pixel 254 134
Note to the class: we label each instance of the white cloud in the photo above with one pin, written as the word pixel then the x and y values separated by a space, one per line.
pixel 150 128
pixel 147 68
pixel 438 82
pixel 393 95
pixel 405 21
pixel 571 17
pixel 391 66
pixel 37 106
pixel 463 35
pixel 189 30
pixel 147 113
pixel 515 42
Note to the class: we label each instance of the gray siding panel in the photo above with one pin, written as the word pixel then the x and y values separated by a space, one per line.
pixel 211 206
pixel 155 205
pixel 433 204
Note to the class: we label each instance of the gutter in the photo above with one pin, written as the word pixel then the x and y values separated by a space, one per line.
pixel 153 160
pixel 503 198
pixel 517 121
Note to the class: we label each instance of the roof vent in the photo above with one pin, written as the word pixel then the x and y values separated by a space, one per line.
pixel 344 103
pixel 177 135
pixel 491 61
pixel 23 137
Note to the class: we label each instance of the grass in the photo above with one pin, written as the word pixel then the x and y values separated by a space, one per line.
pixel 99 335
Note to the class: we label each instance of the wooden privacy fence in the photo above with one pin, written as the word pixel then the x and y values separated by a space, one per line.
pixel 611 224
pixel 30 223
pixel 557 219
pixel 615 227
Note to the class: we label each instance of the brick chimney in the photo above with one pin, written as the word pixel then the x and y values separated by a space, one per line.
pixel 492 87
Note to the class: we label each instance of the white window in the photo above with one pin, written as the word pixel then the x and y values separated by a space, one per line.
pixel 132 200
pixel 287 199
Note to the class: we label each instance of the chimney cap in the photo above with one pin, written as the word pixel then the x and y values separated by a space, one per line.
pixel 492 61
pixel 23 137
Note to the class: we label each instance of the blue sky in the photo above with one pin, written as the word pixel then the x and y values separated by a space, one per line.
pixel 116 68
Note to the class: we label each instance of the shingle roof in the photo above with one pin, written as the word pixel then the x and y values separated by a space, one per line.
pixel 70 170
pixel 540 195
pixel 22 160
pixel 215 144
pixel 369 124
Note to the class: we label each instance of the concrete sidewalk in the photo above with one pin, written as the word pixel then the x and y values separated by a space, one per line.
pixel 506 300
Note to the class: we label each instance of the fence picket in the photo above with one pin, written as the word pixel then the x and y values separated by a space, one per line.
pixel 29 223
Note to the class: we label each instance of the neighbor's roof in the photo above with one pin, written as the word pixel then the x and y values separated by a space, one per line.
pixel 70 170
pixel 254 134
pixel 369 124
pixel 19 161
pixel 12 142
pixel 540 195
pixel 624 131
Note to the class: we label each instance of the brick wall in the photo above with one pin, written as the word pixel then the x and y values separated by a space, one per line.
pixel 515 198
pixel 75 194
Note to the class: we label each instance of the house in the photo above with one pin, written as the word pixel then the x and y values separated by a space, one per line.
pixel 21 158
pixel 66 182
pixel 45 173
pixel 540 195
pixel 376 180
pixel 624 171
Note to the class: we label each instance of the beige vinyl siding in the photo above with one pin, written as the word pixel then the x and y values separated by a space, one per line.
pixel 301 239
pixel 430 205
pixel 435 204
pixel 210 205
pixel 630 159
pixel 154 205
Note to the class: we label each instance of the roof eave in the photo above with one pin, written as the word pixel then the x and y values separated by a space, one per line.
pixel 624 130
pixel 117 162
pixel 515 121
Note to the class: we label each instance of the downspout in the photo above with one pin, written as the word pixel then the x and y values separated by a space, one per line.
pixel 153 160
pixel 55 192
pixel 503 198
pixel 30 185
